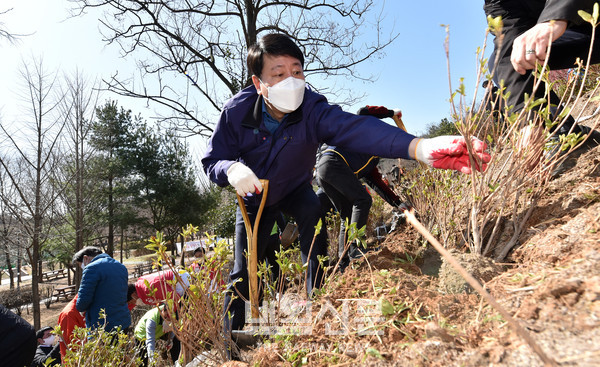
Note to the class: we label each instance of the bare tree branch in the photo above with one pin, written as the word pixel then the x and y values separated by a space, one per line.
pixel 191 53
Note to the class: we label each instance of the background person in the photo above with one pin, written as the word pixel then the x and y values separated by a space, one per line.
pixel 48 347
pixel 103 286
pixel 155 288
pixel 68 319
pixel 339 173
pixel 272 130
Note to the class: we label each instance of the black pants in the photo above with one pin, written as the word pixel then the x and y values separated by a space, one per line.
pixel 143 351
pixel 346 192
pixel 304 206
pixel 574 43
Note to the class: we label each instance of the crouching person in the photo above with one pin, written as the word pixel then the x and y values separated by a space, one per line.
pixel 154 325
pixel 272 130
pixel 48 347
pixel 157 287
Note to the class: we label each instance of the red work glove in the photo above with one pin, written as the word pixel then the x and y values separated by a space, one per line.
pixel 450 152
pixel 377 111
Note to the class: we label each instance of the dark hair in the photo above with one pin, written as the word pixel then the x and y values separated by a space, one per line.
pixel 90 251
pixel 130 291
pixel 40 333
pixel 274 44
pixel 199 249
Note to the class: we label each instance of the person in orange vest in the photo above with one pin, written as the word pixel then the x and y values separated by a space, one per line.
pixel 68 320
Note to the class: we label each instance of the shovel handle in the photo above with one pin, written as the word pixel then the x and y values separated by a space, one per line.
pixel 398 121
pixel 252 241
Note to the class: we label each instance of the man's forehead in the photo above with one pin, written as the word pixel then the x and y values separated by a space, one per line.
pixel 280 65
pixel 281 61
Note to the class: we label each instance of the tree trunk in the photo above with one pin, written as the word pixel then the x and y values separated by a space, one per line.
pixel 111 211
pixel 182 259
pixel 121 255
pixel 78 203
pixel 9 268
pixel 19 270
pixel 39 269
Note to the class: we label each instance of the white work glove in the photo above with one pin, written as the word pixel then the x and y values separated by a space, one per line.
pixel 450 152
pixel 243 179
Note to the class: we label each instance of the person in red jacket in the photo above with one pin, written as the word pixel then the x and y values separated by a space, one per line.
pixel 68 319
pixel 155 288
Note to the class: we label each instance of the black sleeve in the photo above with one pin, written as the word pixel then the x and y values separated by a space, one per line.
pixel 39 358
pixel 55 354
pixel 376 182
pixel 565 9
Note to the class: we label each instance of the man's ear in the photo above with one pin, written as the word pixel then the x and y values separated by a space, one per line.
pixel 256 83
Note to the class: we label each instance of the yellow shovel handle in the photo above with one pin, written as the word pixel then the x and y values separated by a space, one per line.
pixel 252 240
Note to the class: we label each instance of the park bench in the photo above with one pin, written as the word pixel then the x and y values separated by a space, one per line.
pixel 67 292
pixel 142 269
pixel 54 274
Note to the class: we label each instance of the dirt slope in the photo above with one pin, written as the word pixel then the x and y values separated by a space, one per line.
pixel 550 283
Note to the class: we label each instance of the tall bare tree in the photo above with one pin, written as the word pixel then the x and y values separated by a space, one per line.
pixel 203 43
pixel 9 227
pixel 34 145
pixel 78 109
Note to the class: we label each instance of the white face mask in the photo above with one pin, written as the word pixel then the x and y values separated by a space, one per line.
pixel 287 95
pixel 49 340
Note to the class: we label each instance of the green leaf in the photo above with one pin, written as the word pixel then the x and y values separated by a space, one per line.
pixel 585 15
pixel 374 353
pixel 536 103
pixel 194 289
pixel 387 308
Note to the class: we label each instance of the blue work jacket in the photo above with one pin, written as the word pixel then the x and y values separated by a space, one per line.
pixel 287 157
pixel 104 286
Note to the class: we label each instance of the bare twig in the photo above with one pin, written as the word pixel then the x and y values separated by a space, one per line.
pixel 475 284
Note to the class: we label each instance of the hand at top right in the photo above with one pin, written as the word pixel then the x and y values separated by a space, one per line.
pixel 532 45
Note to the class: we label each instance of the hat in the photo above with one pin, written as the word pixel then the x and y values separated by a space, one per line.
pixel 40 333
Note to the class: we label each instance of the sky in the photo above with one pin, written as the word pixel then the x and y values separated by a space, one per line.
pixel 412 76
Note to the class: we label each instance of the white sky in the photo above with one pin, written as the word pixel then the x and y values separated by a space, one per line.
pixel 412 77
